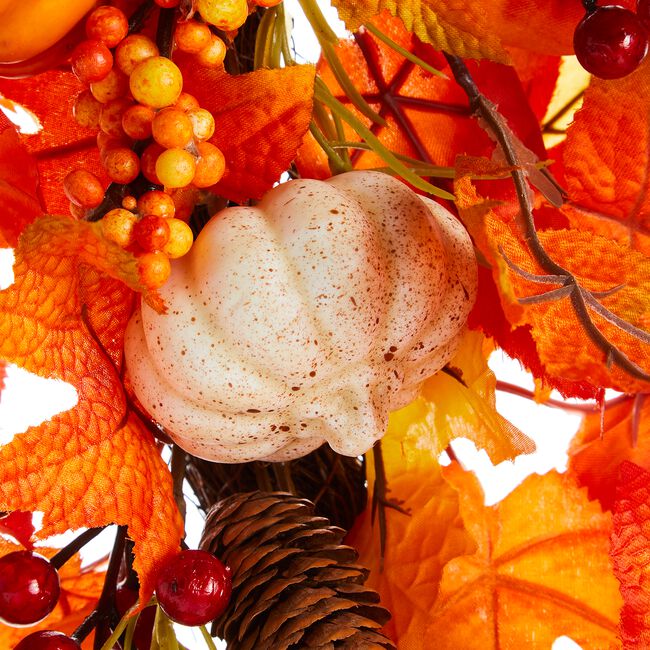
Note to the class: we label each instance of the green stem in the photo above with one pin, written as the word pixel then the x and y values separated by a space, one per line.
pixel 407 54
pixel 337 164
pixel 263 40
pixel 322 93
pixel 208 639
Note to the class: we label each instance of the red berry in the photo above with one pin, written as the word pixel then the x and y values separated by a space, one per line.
pixel 610 42
pixel 125 598
pixel 91 61
pixel 193 588
pixel 151 233
pixel 29 588
pixel 47 640
pixel 643 13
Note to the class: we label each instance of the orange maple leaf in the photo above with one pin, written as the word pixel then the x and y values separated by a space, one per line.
pixel 62 144
pixel 96 463
pixel 609 185
pixel 631 555
pixel 427 117
pixel 261 118
pixel 477 29
pixel 596 454
pixel 543 549
pixel 18 185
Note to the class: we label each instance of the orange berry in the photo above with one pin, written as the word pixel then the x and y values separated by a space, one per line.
pixel 226 15
pixel 202 123
pixel 154 269
pixel 110 118
pixel 167 4
pixel 117 225
pixel 192 36
pixel 187 102
pixel 175 167
pixel 267 3
pixel 108 25
pixel 83 188
pixel 210 166
pixel 122 165
pixel 107 142
pixel 136 121
pixel 213 55
pixel 91 61
pixel 148 162
pixel 86 110
pixel 180 239
pixel 129 202
pixel 156 82
pixel 157 203
pixel 113 86
pixel 134 49
pixel 171 128
pixel 151 233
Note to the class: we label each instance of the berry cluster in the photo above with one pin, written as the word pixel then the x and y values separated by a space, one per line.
pixel 136 96
pixel 611 41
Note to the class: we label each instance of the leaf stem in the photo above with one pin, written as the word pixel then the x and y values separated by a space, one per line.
pixel 74 546
pixel 483 107
pixel 208 639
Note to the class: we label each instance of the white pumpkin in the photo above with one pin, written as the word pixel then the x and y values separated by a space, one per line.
pixel 304 319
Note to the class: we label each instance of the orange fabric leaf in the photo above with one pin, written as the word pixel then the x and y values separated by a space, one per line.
pixel 477 29
pixel 18 185
pixel 93 464
pixel 542 570
pixel 261 118
pixel 62 144
pixel 80 590
pixel 427 117
pixel 609 185
pixel 418 545
pixel 631 554
pixel 595 459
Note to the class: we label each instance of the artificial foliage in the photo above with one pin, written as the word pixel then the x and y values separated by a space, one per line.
pixel 125 129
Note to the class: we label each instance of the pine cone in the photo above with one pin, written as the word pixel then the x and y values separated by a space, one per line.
pixel 335 483
pixel 294 584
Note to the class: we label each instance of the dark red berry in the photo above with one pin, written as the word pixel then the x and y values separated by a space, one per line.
pixel 193 588
pixel 29 588
pixel 125 598
pixel 643 13
pixel 47 640
pixel 610 42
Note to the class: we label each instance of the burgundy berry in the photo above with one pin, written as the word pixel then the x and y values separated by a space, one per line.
pixel 29 588
pixel 125 598
pixel 47 640
pixel 610 42
pixel 193 588
pixel 643 13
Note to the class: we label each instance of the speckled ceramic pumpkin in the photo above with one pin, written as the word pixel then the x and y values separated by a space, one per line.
pixel 305 319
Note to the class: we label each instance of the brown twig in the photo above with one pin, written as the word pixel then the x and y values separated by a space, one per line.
pixel 581 299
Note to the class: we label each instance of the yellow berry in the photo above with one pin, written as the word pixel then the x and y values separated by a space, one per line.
pixel 180 239
pixel 226 15
pixel 136 121
pixel 117 225
pixel 134 49
pixel 113 86
pixel 202 123
pixel 175 168
pixel 192 36
pixel 129 202
pixel 156 82
pixel 110 118
pixel 86 110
